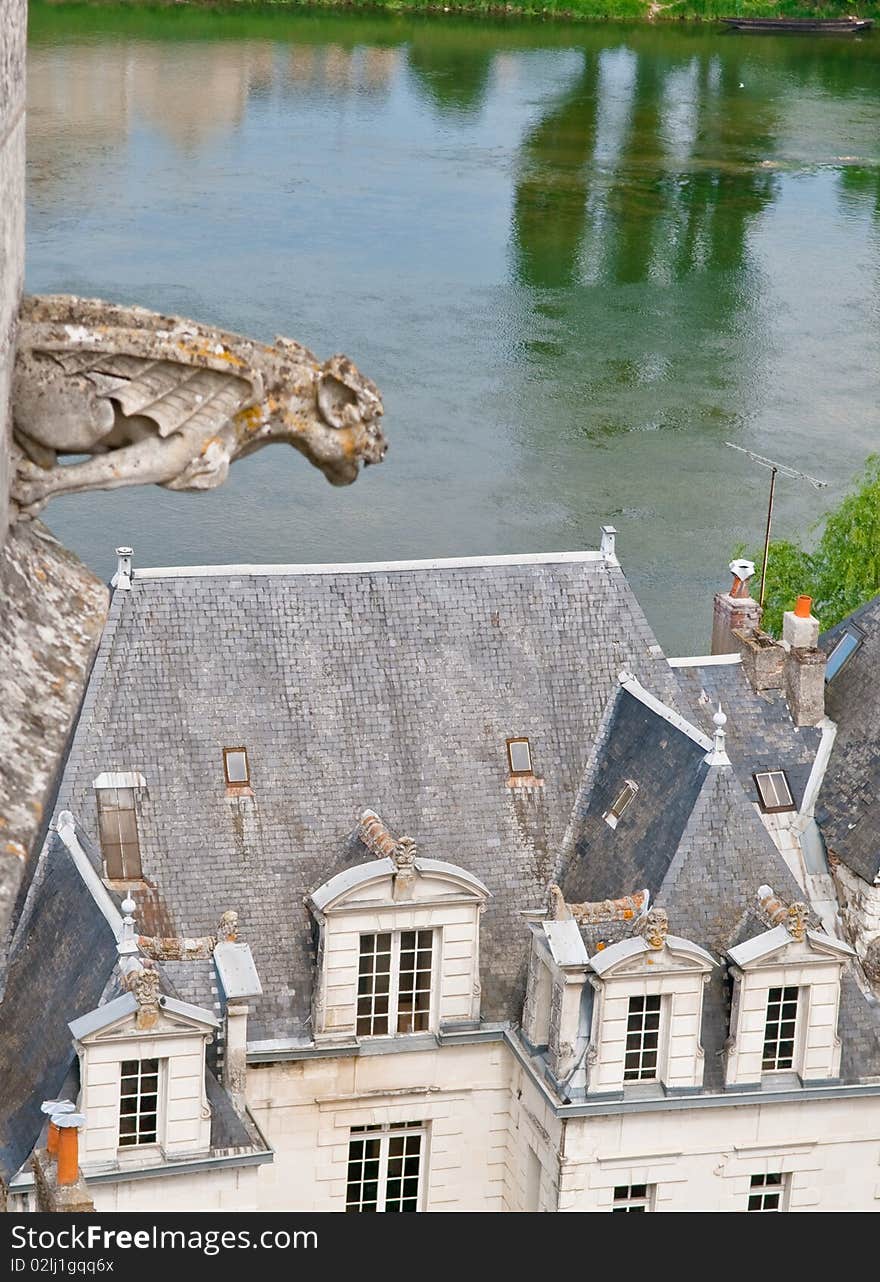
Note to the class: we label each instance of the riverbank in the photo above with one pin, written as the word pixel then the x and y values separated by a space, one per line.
pixel 653 11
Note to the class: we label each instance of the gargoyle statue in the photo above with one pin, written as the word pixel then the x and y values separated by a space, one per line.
pixel 165 401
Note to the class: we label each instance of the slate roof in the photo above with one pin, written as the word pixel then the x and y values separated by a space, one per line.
pixel 61 960
pixel 848 805
pixel 692 836
pixel 61 965
pixel 389 688
pixel 760 732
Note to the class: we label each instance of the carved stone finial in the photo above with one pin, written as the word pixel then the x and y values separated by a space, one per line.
pixel 227 929
pixel 655 927
pixel 404 854
pixel 796 921
pixel 557 909
pixel 144 983
pixel 127 945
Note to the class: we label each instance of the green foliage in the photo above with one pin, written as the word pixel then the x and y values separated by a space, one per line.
pixel 844 569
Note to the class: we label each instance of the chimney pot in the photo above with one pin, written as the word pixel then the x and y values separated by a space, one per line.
pixel 68 1146
pixel 735 611
pixel 122 578
pixel 802 607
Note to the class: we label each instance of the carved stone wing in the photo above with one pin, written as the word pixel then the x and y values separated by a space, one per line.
pixel 79 360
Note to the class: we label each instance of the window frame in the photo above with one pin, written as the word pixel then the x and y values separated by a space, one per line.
pixel 393 1013
pixel 773 810
pixel 622 800
pixel 385 1132
pixel 237 783
pixel 852 632
pixel 626 1197
pixel 509 743
pixel 659 1010
pixel 760 1190
pixel 140 1146
pixel 798 999
pixel 121 845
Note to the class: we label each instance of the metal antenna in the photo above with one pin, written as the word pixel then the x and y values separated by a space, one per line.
pixel 784 470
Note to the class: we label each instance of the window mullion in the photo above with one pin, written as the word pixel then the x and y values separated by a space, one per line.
pixel 384 1142
pixel 394 984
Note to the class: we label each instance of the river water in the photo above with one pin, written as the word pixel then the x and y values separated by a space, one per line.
pixel 576 260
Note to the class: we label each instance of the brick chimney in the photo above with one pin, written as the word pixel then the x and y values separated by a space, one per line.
pixel 804 664
pixel 735 610
pixel 59 1184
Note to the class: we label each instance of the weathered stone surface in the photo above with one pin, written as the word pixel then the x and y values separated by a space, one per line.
pixel 52 610
pixel 763 660
pixel 12 62
pixel 805 685
pixel 58 1198
pixel 165 401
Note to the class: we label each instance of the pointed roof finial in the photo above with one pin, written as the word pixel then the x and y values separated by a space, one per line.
pixel 127 943
pixel 718 756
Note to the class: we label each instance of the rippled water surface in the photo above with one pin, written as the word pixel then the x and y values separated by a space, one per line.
pixel 575 260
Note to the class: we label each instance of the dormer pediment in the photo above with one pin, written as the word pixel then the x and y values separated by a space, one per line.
pixel 635 956
pixel 378 883
pixel 119 1018
pixel 776 946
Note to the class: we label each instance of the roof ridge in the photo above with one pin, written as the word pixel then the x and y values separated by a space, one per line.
pixel 373 567
pixel 633 686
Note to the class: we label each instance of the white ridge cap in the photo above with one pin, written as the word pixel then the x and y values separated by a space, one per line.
pixel 634 687
pixel 705 661
pixel 367 567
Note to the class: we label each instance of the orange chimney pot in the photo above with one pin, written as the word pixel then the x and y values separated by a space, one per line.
pixel 52 1139
pixel 68 1155
pixel 802 607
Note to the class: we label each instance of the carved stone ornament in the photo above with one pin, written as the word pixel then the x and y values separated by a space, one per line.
pixel 144 983
pixel 871 963
pixel 161 400
pixel 796 921
pixel 227 930
pixel 404 855
pixel 655 928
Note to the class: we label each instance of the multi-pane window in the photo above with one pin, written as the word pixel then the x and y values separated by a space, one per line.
pixel 765 1193
pixel 385 1167
pixel 779 1028
pixel 774 792
pixel 117 824
pixel 235 766
pixel 632 1197
pixel 642 1039
pixel 394 982
pixel 620 802
pixel 139 1102
pixel 519 755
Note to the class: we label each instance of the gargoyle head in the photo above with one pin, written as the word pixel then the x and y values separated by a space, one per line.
pixel 345 429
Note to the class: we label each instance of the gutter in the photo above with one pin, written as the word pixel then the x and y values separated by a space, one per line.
pixel 282 1050
pixel 25 1182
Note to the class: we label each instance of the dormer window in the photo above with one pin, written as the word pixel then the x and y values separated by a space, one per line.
pixel 774 793
pixel 117 826
pixel 519 756
pixel 235 766
pixel 620 803
pixel 846 647
pixel 394 982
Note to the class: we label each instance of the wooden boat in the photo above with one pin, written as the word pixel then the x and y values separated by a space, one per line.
pixel 811 26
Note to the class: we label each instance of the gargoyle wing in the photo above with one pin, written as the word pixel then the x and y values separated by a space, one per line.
pixel 93 357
